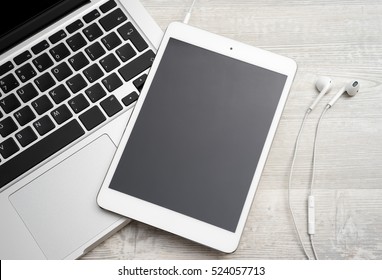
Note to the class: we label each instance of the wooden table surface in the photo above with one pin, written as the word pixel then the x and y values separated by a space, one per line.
pixel 338 38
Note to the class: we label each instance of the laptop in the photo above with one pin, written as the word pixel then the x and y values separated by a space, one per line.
pixel 70 73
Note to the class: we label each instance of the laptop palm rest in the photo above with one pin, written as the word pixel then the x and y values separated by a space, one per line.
pixel 59 207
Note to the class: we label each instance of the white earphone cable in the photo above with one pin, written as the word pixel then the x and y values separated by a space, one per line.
pixel 315 146
pixel 188 15
pixel 290 180
pixel 312 245
pixel 313 175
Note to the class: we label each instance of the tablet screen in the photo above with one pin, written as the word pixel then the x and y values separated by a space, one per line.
pixel 197 140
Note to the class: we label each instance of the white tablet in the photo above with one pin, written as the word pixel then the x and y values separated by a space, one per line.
pixel 193 151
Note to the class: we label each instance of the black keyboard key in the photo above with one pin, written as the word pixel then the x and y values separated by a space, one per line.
pixel 111 41
pixel 40 151
pixel 95 92
pixel 7 126
pixel 61 114
pixel 59 52
pixel 95 51
pixel 128 32
pixel 62 71
pixel 76 42
pixel 138 83
pixel 78 61
pixel 43 62
pixel 59 94
pixel 93 73
pixel 112 82
pixel 76 83
pixel 91 16
pixel 44 82
pixel 27 92
pixel 132 97
pixel 43 125
pixel 8 148
pixel 26 72
pixel 92 118
pixel 21 58
pixel 113 19
pixel 24 115
pixel 126 52
pixel 108 6
pixel 9 103
pixel 92 32
pixel 111 105
pixel 43 45
pixel 109 62
pixel 8 83
pixel 73 27
pixel 4 68
pixel 58 36
pixel 42 104
pixel 26 136
pixel 78 103
pixel 137 66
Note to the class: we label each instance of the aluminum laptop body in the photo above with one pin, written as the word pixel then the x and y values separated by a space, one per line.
pixel 66 94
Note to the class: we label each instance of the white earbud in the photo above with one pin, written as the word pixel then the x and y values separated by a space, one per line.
pixel 351 88
pixel 323 85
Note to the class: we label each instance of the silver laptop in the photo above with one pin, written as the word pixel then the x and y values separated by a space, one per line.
pixel 70 73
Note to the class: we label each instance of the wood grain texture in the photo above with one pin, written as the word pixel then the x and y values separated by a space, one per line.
pixel 341 39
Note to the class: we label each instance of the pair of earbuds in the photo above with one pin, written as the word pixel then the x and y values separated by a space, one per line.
pixel 324 84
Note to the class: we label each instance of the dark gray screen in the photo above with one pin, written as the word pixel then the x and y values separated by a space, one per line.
pixel 199 135
pixel 21 19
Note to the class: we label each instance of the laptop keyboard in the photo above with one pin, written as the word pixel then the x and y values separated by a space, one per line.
pixel 62 88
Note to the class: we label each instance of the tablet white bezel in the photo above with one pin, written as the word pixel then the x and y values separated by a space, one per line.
pixel 172 221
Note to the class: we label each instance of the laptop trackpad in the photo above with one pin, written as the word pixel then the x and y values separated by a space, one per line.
pixel 59 207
